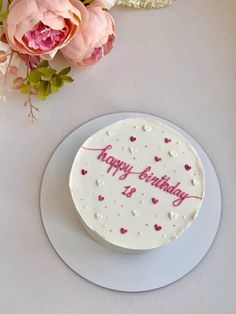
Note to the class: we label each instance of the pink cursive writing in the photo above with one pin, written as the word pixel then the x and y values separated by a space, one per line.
pixel 123 169
pixel 129 190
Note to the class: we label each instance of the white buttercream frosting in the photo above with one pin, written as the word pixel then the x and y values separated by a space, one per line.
pixel 137 184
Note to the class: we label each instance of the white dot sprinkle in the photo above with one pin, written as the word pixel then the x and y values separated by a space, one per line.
pixel 132 150
pixel 147 128
pixel 99 182
pixel 194 182
pixel 109 133
pixel 173 215
pixel 135 213
pixel 172 153
pixel 98 216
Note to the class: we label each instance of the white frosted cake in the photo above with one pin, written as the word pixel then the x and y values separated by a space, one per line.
pixel 137 184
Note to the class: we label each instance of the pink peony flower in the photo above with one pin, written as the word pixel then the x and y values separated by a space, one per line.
pixel 93 41
pixel 41 27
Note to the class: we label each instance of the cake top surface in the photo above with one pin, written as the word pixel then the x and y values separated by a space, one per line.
pixel 137 184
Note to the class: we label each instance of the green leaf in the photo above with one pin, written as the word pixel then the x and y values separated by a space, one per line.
pixel 42 96
pixel 47 72
pixel 34 76
pixel 67 79
pixel 48 89
pixel 35 84
pixel 3 16
pixel 44 86
pixel 43 64
pixel 56 81
pixel 44 90
pixel 24 89
pixel 54 89
pixel 85 2
pixel 64 71
pixel 45 80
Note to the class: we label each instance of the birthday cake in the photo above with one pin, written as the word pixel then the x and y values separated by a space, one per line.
pixel 137 184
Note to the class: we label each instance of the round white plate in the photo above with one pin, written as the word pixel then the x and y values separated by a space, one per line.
pixel 103 266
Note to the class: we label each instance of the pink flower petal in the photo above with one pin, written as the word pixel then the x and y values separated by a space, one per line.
pixel 93 41
pixel 63 18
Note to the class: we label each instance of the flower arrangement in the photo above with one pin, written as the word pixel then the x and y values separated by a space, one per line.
pixel 32 32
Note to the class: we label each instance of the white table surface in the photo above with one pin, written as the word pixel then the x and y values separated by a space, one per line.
pixel 179 63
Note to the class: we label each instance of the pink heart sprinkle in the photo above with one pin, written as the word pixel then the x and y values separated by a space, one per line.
pixel 101 198
pixel 155 200
pixel 167 140
pixel 187 167
pixel 123 230
pixel 157 158
pixel 157 227
pixel 84 172
pixel 132 138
